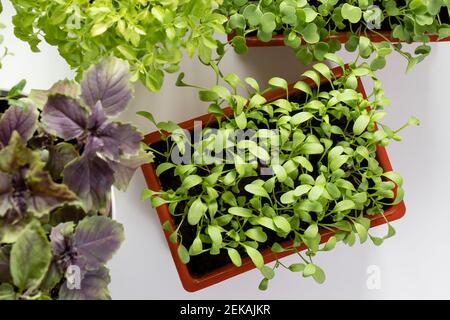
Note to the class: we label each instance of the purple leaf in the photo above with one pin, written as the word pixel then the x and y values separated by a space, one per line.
pixel 108 82
pixel 93 146
pixel 5 191
pixel 125 168
pixel 93 286
pixel 97 118
pixel 96 239
pixel 91 179
pixel 118 139
pixel 17 119
pixel 44 194
pixel 59 236
pixel 64 117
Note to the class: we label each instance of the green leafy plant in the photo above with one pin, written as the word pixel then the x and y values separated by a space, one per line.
pixel 60 154
pixel 150 35
pixel 324 175
pixel 310 27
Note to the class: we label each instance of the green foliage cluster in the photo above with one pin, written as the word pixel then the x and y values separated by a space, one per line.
pixel 150 35
pixel 311 27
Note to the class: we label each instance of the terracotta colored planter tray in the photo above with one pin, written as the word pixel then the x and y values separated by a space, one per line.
pixel 193 283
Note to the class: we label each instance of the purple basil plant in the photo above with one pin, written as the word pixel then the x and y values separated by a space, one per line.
pixel 61 151
pixel 109 151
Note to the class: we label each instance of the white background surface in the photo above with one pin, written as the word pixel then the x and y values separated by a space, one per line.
pixel 414 264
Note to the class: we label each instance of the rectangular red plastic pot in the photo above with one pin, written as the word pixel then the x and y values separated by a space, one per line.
pixel 193 283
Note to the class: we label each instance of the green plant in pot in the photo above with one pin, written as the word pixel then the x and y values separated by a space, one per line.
pixel 230 196
pixel 150 35
pixel 314 28
pixel 61 151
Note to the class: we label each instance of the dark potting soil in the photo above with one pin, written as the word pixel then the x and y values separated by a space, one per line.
pixel 204 263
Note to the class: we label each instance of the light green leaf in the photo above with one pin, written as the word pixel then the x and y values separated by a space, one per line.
pixel 330 244
pixel 362 232
pixel 196 212
pixel 241 121
pixel 319 275
pixel 303 86
pixel 256 190
pixel 314 76
pixel 267 272
pixel 301 117
pixel 240 212
pixel 98 29
pixel 183 254
pixel 196 247
pixel 280 172
pixel 288 197
pixel 312 231
pixel 361 124
pixel 395 177
pixel 324 70
pixel 351 13
pixel 344 205
pixel 215 234
pixel 191 181
pixel 234 256
pixel 316 192
pixel 255 255
pixel 282 223
pixel 297 267
pixel 256 234
pixel 305 163
pixel 310 33
pixel 309 270
pixel 164 167
pixel 311 148
pixel 30 257
pixel 278 83
pixel 252 83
